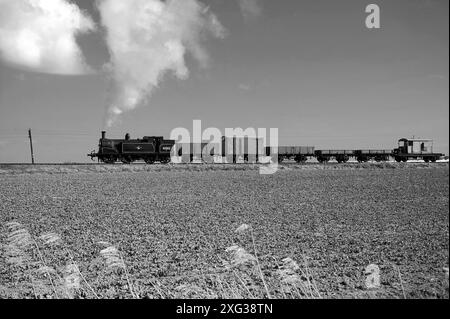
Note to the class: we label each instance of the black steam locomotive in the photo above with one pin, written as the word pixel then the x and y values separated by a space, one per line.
pixel 149 149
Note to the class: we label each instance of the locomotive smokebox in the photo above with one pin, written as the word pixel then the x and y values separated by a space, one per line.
pixel 103 134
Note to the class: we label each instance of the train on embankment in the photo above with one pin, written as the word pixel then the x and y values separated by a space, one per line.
pixel 153 149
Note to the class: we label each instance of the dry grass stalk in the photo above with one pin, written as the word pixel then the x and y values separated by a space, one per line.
pixel 114 259
pixel 373 276
pixel 19 241
pixel 50 238
pixel 81 274
pixel 240 257
pixel 72 279
pixel 401 281
pixel 241 229
pixel 295 283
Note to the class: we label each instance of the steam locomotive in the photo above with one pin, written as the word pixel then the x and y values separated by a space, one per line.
pixel 153 149
pixel 149 149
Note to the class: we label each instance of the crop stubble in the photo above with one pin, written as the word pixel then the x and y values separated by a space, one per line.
pixel 174 226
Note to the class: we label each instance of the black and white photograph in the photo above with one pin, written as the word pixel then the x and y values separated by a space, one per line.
pixel 224 156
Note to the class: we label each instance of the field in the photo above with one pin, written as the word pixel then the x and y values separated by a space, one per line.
pixel 222 231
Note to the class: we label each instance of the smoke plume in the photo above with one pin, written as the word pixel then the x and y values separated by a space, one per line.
pixel 148 39
pixel 39 35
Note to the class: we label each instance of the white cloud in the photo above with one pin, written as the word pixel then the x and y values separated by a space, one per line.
pixel 425 4
pixel 19 76
pixel 437 77
pixel 39 35
pixel 244 87
pixel 148 39
pixel 250 8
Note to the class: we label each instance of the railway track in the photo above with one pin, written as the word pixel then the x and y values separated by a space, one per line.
pixel 284 163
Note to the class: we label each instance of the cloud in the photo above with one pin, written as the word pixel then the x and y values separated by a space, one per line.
pixel 148 39
pixel 426 4
pixel 19 76
pixel 250 8
pixel 39 35
pixel 244 87
pixel 437 77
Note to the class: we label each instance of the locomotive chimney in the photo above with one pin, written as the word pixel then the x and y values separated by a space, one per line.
pixel 103 134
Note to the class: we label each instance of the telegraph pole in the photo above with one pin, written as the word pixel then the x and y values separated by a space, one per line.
pixel 31 146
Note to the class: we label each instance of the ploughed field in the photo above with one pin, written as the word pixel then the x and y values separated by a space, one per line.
pixel 231 233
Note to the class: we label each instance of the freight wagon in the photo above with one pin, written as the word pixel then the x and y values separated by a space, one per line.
pixel 242 149
pixel 377 155
pixel 299 153
pixel 341 156
pixel 229 150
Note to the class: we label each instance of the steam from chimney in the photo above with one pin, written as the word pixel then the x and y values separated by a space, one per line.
pixel 148 39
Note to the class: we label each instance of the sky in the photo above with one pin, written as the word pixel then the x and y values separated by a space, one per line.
pixel 310 68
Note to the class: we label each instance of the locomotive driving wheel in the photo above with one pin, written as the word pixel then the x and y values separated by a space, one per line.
pixel 149 160
pixel 165 160
pixel 109 160
pixel 126 160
